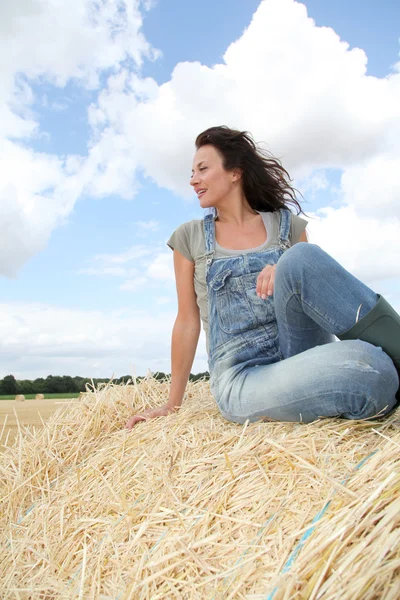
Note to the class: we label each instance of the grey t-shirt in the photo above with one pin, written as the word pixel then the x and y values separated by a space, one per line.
pixel 189 240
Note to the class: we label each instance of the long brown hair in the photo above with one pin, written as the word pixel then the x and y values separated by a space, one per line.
pixel 266 184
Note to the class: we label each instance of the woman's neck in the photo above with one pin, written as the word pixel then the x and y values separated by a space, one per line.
pixel 236 211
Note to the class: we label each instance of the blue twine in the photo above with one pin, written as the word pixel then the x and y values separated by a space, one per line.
pixel 287 566
pixel 295 552
pixel 159 540
pixel 35 504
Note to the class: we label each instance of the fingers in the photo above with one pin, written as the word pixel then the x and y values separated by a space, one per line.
pixel 146 416
pixel 264 286
pixel 151 413
pixel 262 280
pixel 266 281
pixel 271 283
pixel 133 420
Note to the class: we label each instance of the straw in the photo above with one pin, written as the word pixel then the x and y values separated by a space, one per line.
pixel 192 506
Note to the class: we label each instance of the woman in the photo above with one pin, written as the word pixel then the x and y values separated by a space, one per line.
pixel 271 303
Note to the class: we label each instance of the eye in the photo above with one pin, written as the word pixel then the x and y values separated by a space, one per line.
pixel 202 168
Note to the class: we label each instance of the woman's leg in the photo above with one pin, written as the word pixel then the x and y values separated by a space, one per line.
pixel 315 298
pixel 351 379
pixel 315 295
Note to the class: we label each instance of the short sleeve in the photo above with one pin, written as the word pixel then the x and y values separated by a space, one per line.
pixel 180 240
pixel 297 227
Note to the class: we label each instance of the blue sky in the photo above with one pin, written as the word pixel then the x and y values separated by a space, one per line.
pixel 97 141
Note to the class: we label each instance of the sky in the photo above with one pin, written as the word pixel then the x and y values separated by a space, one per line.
pixel 100 103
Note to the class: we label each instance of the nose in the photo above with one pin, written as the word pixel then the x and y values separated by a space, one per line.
pixel 193 179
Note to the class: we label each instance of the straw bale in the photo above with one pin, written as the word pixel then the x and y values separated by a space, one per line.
pixel 192 506
pixel 39 397
pixel 20 398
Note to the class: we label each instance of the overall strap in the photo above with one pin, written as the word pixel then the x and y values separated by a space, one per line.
pixel 284 229
pixel 209 236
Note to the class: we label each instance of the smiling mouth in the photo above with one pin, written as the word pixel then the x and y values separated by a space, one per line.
pixel 201 193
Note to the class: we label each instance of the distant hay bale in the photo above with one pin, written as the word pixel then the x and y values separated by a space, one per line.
pixel 39 397
pixel 20 398
pixel 192 506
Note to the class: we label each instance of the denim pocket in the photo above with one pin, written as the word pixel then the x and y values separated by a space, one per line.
pixel 238 306
pixel 264 310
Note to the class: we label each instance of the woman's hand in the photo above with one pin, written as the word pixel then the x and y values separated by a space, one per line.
pixel 265 282
pixel 150 413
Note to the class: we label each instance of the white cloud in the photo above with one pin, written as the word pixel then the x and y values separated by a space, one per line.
pixel 292 84
pixel 36 340
pixel 51 42
pixel 374 185
pixel 152 266
pixel 35 196
pixel 303 91
pixel 367 246
pixel 59 106
pixel 78 39
pixel 315 183
pixel 148 225
pixel 132 285
pixel 161 268
pixel 133 253
pixel 111 271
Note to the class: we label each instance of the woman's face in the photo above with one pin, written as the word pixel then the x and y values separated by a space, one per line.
pixel 210 181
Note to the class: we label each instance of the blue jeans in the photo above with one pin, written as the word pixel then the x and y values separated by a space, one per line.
pixel 308 375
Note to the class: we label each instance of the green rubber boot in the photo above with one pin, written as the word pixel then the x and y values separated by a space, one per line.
pixel 380 327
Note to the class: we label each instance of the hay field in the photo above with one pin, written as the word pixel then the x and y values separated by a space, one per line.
pixel 31 413
pixel 193 507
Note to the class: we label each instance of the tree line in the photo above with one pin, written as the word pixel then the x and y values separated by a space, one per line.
pixel 64 384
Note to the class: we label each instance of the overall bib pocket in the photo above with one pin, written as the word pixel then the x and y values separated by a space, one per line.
pixel 237 304
pixel 264 310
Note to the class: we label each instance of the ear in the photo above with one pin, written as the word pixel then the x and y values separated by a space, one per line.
pixel 236 174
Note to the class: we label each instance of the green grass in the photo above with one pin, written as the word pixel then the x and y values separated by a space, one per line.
pixel 46 396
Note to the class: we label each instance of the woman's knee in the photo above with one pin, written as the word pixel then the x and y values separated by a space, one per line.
pixel 366 357
pixel 371 371
pixel 297 257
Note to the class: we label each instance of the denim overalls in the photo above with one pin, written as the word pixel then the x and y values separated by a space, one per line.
pixel 274 358
pixel 243 330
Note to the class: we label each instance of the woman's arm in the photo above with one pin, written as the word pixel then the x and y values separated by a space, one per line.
pixel 186 331
pixel 185 336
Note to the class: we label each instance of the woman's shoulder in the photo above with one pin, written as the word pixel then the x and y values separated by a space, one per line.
pixel 297 219
pixel 188 238
pixel 191 230
pixel 275 215
pixel 297 228
pixel 297 224
pixel 194 225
